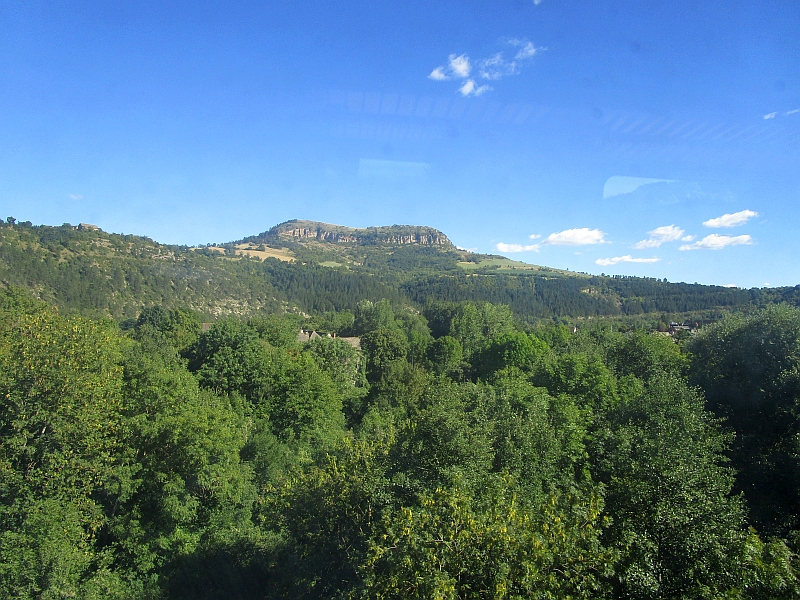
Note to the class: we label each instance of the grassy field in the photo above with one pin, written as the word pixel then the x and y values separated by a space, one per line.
pixel 267 252
pixel 506 265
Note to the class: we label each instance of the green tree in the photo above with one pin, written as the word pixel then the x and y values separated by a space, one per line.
pixel 645 355
pixel 62 436
pixel 474 323
pixel 679 531
pixel 749 368
pixel 304 403
pixel 338 359
pixel 444 438
pixel 370 316
pixel 191 488
pixel 384 348
pixel 517 349
pixel 229 358
pixel 180 326
pixel 452 547
pixel 578 374
pixel 279 331
pixel 445 354
pixel 327 512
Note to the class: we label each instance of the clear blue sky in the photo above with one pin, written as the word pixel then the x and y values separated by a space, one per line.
pixel 659 138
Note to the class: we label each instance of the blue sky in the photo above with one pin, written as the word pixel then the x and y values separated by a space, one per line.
pixel 641 138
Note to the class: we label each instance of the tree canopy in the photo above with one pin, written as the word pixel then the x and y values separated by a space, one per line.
pixel 450 453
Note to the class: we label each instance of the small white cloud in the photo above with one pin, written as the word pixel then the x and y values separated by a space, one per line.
pixel 791 112
pixel 688 238
pixel 438 74
pixel 497 66
pixel 534 236
pixel 76 196
pixel 766 284
pixel 659 235
pixel 575 237
pixel 718 242
pixel 470 88
pixel 528 50
pixel 605 262
pixel 731 220
pixel 467 249
pixel 770 115
pixel 517 247
pixel 459 65
pixel 492 68
pixel 730 285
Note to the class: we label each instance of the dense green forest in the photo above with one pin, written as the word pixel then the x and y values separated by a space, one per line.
pixel 98 274
pixel 457 453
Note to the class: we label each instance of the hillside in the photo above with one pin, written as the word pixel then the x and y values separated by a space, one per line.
pixel 310 267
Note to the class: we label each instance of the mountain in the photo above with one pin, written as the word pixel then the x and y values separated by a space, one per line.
pixel 298 230
pixel 312 267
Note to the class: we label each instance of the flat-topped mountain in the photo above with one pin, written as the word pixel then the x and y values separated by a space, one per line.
pixel 301 230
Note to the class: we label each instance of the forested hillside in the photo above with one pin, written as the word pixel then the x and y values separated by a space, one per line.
pixel 95 273
pixel 454 455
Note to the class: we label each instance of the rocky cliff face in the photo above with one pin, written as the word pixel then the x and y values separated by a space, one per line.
pixel 391 235
pixel 317 234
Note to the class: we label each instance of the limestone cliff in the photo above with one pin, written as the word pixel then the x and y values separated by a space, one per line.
pixel 389 235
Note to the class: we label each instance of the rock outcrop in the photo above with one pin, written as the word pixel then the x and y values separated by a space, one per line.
pixel 390 235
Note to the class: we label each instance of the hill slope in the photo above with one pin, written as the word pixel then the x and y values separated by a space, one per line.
pixel 314 267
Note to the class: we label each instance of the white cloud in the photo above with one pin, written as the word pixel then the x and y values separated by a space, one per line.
pixel 517 247
pixel 497 66
pixel 459 65
pixel 730 285
pixel 76 196
pixel 659 235
pixel 470 88
pixel 492 68
pixel 718 242
pixel 569 237
pixel 731 220
pixel 770 115
pixel 605 262
pixel 688 238
pixel 528 50
pixel 791 112
pixel 438 74
pixel 534 236
pixel 467 249
pixel 575 237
